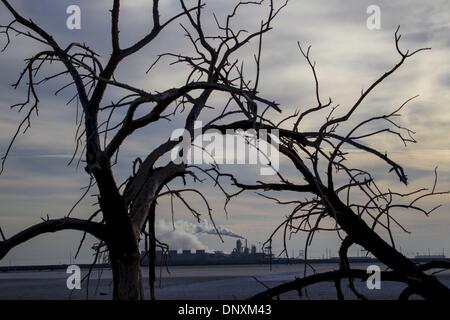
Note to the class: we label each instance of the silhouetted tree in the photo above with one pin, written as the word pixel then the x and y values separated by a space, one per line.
pixel 125 209
pixel 334 195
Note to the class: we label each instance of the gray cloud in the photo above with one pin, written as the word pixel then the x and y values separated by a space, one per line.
pixel 348 57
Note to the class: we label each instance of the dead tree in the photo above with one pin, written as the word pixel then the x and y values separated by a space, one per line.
pixel 127 211
pixel 334 196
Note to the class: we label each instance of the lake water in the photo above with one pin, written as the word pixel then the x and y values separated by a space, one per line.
pixel 191 282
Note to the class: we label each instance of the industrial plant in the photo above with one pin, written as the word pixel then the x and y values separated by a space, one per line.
pixel 241 254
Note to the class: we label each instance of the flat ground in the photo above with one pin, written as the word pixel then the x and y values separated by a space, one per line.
pixel 195 282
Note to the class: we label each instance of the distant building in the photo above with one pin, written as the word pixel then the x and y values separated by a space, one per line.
pixel 238 246
pixel 240 255
pixel 430 256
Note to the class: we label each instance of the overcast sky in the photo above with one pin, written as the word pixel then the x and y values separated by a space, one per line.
pixel 349 56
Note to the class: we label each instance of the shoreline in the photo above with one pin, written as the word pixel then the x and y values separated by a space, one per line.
pixel 5 269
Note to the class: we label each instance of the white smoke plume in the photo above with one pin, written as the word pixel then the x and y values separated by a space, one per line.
pixel 178 239
pixel 205 227
pixel 184 237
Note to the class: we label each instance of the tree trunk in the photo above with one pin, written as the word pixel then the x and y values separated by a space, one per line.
pixel 152 251
pixel 125 260
pixel 126 274
pixel 122 239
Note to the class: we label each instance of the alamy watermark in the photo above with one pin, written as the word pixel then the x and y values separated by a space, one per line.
pixel 74 279
pixel 241 147
pixel 73 21
pixel 374 20
pixel 373 282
